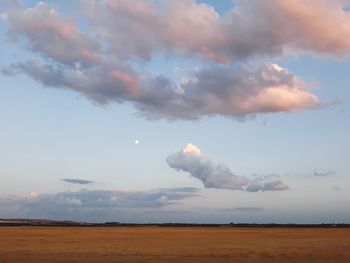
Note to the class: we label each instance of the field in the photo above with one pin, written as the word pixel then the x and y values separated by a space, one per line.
pixel 173 245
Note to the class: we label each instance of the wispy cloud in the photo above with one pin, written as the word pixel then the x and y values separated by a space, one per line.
pixel 328 173
pixel 249 209
pixel 77 181
pixel 219 175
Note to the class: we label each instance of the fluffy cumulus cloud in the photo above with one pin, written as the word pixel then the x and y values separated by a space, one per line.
pixel 104 59
pixel 54 36
pixel 251 28
pixel 228 91
pixel 256 28
pixel 140 28
pixel 9 3
pixel 219 175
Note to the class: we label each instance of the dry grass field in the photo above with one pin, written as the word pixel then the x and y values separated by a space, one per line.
pixel 173 245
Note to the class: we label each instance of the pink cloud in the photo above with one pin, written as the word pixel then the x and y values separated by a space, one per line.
pixel 127 80
pixel 106 61
pixel 33 194
pixel 230 91
pixel 265 28
pixel 323 26
pixel 141 28
pixel 251 28
pixel 52 35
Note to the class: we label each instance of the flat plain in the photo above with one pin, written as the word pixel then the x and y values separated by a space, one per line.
pixel 173 245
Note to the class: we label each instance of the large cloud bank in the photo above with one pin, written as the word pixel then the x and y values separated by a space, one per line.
pixel 113 199
pixel 96 205
pixel 104 59
pixel 219 175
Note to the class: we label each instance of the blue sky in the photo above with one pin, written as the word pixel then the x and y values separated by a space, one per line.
pixel 53 132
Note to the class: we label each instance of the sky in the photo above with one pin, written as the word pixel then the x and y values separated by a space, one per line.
pixel 175 111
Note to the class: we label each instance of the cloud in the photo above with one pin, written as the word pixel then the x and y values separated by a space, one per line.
pixel 229 91
pixel 249 209
pixel 102 61
pixel 140 28
pixel 328 173
pixel 266 183
pixel 77 181
pixel 234 92
pixel 120 199
pixel 96 204
pixel 10 3
pixel 52 35
pixel 33 194
pixel 218 175
pixel 270 28
pixel 231 209
pixel 336 188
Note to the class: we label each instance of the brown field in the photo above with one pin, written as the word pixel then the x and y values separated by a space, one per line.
pixel 190 245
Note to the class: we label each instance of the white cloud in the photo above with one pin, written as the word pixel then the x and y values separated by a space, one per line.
pixel 219 175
